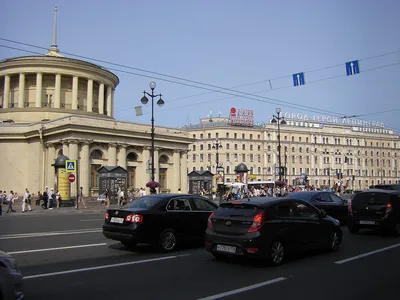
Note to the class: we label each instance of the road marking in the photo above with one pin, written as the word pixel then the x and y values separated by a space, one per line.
pixel 244 289
pixel 339 262
pixel 59 248
pixel 89 220
pixel 51 233
pixel 101 267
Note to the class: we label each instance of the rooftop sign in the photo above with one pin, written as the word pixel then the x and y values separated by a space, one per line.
pixel 241 117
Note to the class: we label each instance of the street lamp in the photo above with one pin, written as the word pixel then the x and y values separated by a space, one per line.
pixel 160 103
pixel 280 120
pixel 217 145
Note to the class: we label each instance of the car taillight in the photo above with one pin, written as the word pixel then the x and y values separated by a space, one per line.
pixel 388 208
pixel 257 222
pixel 134 218
pixel 106 216
pixel 209 222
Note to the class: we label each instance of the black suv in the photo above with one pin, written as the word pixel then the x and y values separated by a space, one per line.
pixel 268 228
pixel 387 187
pixel 375 208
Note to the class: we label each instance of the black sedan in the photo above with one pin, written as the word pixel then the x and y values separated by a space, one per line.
pixel 164 220
pixel 269 228
pixel 329 202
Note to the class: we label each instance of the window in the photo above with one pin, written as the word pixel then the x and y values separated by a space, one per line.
pixel 244 147
pixel 209 135
pixel 251 136
pixel 300 149
pixel 209 146
pixel 227 135
pixel 236 147
pixel 227 146
pixel 259 170
pixel 251 157
pixel 269 158
pixel 203 205
pixel 235 135
pixel 201 136
pixel 300 139
pixel 243 157
pixel 201 147
pixel 269 148
pixel 251 147
pixel 304 210
pixel 301 159
pixel 228 169
pixel 194 157
pixel 285 138
pixel 335 198
pixel 243 136
pixel 258 157
pixel 292 138
pixel 227 157
pixel 293 159
pixel 308 150
pixel 194 136
pixel 292 149
pixel 201 157
pixel 209 157
pixel 315 139
pixel 308 159
pixel 306 139
pixel 216 135
pixel 176 204
pixel 259 136
pixel 322 197
pixel 283 210
pixel 235 156
pixel 259 147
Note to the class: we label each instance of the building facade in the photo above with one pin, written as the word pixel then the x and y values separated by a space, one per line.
pixel 349 153
pixel 51 106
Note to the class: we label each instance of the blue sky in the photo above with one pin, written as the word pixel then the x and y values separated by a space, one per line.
pixel 228 44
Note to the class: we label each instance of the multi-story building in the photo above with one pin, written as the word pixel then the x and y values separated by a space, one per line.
pixel 353 153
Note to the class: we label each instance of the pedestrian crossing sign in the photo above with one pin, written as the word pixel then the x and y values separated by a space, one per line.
pixel 70 166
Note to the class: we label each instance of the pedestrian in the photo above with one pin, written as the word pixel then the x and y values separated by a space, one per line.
pixel 45 197
pixel 26 200
pixel 58 198
pixel 142 192
pixel 106 195
pixel 11 198
pixel 179 191
pixel 1 202
pixel 51 199
pixel 80 197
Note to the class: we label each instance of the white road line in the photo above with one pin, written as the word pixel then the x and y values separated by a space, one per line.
pixel 51 233
pixel 101 267
pixel 91 220
pixel 59 248
pixel 244 289
pixel 339 262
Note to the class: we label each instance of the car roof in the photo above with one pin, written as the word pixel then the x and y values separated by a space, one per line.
pixel 396 192
pixel 305 195
pixel 260 201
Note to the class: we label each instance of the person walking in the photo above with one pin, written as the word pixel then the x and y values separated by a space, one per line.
pixel 80 197
pixel 26 201
pixel 107 195
pixel 11 198
pixel 50 199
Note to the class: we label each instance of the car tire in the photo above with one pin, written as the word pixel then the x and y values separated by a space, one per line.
pixel 168 240
pixel 353 229
pixel 276 253
pixel 334 241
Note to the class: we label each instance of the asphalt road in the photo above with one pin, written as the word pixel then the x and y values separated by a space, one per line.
pixel 65 256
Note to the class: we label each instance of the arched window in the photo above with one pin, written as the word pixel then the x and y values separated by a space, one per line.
pixel 163 159
pixel 96 154
pixel 227 170
pixel 259 170
pixel 131 157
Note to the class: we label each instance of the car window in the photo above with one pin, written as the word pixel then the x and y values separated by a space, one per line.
pixel 370 198
pixel 203 205
pixel 322 197
pixel 179 204
pixel 283 209
pixel 336 198
pixel 304 210
pixel 145 202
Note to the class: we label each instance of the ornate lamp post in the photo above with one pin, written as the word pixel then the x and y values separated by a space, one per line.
pixel 160 103
pixel 217 145
pixel 280 120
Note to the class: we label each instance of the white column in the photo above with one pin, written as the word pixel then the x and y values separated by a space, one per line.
pixel 57 96
pixel 176 168
pixel 51 156
pixel 84 174
pixel 39 81
pixel 21 92
pixel 112 154
pixel 6 100
pixel 122 156
pixel 101 98
pixel 143 177
pixel 75 92
pixel 109 103
pixel 184 181
pixel 74 154
pixel 156 165
pixel 89 106
pixel 65 148
pixel 112 103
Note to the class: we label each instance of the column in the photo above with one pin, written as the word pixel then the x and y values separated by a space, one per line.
pixel 183 161
pixel 122 156
pixel 74 154
pixel 101 98
pixel 109 103
pixel 144 176
pixel 112 103
pixel 57 96
pixel 176 180
pixel 75 92
pixel 39 81
pixel 21 92
pixel 89 106
pixel 84 168
pixel 156 165
pixel 112 154
pixel 50 170
pixel 6 91
pixel 65 148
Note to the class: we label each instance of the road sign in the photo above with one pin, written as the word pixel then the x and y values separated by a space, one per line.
pixel 70 166
pixel 298 79
pixel 352 68
pixel 71 177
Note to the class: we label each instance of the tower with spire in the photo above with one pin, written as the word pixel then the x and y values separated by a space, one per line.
pixel 53 51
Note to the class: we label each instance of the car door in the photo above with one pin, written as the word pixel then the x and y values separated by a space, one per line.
pixel 202 209
pixel 308 223
pixel 323 201
pixel 180 216
pixel 339 207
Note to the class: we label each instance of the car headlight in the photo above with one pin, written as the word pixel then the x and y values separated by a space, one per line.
pixel 9 262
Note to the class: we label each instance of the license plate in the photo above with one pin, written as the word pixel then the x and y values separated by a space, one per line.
pixel 117 220
pixel 224 248
pixel 367 222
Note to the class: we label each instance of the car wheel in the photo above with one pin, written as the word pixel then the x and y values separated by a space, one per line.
pixel 334 240
pixel 396 230
pixel 168 240
pixel 276 253
pixel 353 229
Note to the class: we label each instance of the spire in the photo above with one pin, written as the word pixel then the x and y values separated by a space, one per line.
pixel 53 51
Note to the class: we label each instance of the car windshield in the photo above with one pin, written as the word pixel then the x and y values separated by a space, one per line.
pixel 301 195
pixel 145 202
pixel 388 187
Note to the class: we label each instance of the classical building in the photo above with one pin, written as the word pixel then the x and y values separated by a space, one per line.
pixel 353 153
pixel 52 105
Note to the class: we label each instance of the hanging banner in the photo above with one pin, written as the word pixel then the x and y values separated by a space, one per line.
pixel 63 184
pixel 220 176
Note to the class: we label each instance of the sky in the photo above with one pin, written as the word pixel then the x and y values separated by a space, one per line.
pixel 208 56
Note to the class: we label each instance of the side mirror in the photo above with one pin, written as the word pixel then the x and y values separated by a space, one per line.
pixel 322 213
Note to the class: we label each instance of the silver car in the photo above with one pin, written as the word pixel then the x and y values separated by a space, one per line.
pixel 11 279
